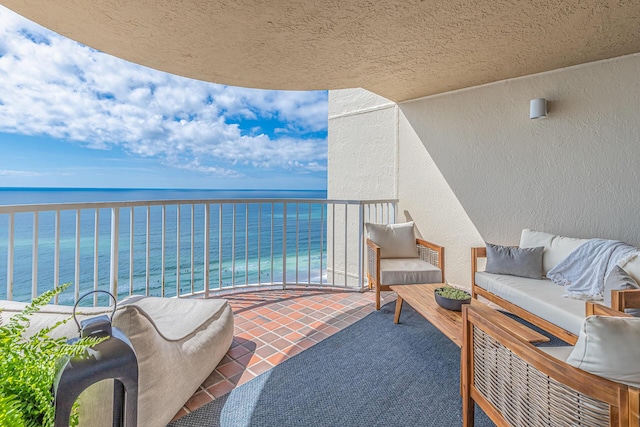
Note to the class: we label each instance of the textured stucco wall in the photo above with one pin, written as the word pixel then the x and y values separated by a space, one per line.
pixel 426 198
pixel 472 166
pixel 362 154
pixel 573 173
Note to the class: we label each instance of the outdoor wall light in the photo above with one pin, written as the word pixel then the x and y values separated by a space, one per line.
pixel 537 108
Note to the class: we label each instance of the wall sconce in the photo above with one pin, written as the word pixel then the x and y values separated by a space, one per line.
pixel 538 108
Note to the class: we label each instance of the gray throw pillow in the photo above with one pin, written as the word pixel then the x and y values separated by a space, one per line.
pixel 618 280
pixel 523 262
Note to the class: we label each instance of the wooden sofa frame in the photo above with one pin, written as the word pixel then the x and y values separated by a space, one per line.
pixel 427 251
pixel 517 384
pixel 620 300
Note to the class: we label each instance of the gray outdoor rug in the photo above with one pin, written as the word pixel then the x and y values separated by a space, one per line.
pixel 373 373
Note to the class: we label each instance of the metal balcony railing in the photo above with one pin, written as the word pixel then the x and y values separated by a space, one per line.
pixel 184 247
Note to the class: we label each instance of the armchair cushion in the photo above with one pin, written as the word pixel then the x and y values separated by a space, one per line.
pixel 405 271
pixel 395 240
pixel 608 347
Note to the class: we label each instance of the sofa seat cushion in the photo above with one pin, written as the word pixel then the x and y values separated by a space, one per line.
pixel 406 271
pixel 561 352
pixel 539 297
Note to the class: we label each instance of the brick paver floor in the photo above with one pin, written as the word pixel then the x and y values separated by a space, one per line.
pixel 272 326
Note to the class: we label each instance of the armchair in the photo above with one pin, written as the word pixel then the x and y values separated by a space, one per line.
pixel 419 261
pixel 517 384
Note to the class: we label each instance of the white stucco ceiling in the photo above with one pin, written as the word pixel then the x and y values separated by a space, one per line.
pixel 396 48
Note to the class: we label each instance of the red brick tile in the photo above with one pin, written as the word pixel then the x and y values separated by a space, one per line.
pixel 282 331
pixel 257 331
pixel 213 379
pixel 246 376
pixel 296 315
pixel 199 399
pixel 266 351
pixel 293 350
pixel 281 343
pixel 294 336
pixel 221 389
pixel 238 351
pixel 277 358
pixel 246 359
pixel 260 367
pixel 318 336
pixel 305 343
pixel 230 369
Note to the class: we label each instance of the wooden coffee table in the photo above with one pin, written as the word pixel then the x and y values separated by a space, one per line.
pixel 421 298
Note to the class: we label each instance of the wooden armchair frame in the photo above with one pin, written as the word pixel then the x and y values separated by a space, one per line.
pixel 518 384
pixel 427 251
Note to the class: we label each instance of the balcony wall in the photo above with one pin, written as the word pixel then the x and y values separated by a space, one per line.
pixel 471 166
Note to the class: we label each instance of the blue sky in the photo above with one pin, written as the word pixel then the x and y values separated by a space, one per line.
pixel 71 116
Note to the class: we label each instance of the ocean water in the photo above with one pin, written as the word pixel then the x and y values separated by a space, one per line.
pixel 235 259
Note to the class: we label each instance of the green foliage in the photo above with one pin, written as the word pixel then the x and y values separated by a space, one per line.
pixel 453 293
pixel 28 367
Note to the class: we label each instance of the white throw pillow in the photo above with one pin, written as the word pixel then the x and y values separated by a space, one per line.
pixel 556 248
pixel 395 240
pixel 632 267
pixel 608 347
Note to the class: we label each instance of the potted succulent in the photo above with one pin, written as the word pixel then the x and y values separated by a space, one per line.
pixel 28 367
pixel 451 298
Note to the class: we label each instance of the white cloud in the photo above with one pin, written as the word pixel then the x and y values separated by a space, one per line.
pixel 50 85
pixel 17 173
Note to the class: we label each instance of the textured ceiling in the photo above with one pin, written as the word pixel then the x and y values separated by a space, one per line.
pixel 398 49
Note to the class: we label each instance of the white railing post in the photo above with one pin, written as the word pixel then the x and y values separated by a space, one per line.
pixel 96 239
pixel 193 234
pixel 131 250
pixel 113 269
pixel 360 245
pixel 207 238
pixel 34 258
pixel 163 249
pixel 284 245
pixel 148 254
pixel 76 285
pixel 178 250
pixel 10 247
pixel 56 254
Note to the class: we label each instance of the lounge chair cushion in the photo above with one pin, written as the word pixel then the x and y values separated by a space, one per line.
pixel 406 271
pixel 178 342
pixel 608 347
pixel 395 240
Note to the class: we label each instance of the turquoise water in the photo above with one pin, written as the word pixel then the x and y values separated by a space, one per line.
pixel 259 236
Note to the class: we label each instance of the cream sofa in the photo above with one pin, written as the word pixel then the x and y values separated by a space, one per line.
pixel 540 301
pixel 178 343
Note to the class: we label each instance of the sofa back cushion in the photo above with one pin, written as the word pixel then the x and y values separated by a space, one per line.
pixel 395 240
pixel 556 248
pixel 608 347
